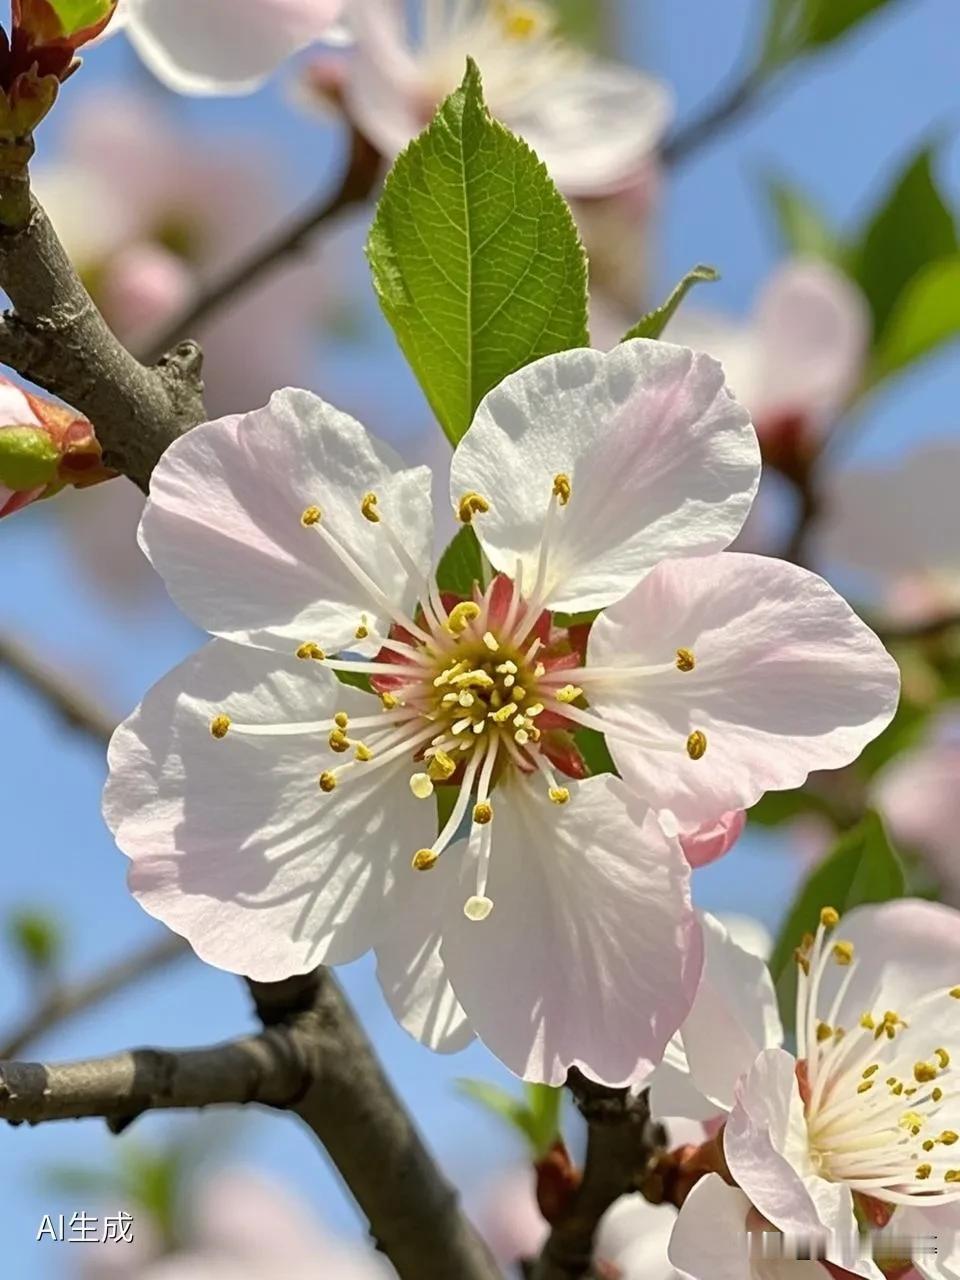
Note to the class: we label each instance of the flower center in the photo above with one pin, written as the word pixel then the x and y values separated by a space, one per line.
pixel 880 1118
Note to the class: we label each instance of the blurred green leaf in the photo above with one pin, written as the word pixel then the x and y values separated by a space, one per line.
pixel 911 228
pixel 37 936
pixel 802 26
pixel 863 867
pixel 536 1117
pixel 475 257
pixel 462 564
pixel 778 807
pixel 926 315
pixel 584 23
pixel 653 323
pixel 803 228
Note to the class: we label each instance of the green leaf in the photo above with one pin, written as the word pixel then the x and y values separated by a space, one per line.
pixel 912 228
pixel 827 20
pixel 777 807
pixel 592 745
pixel 863 867
pixel 355 679
pixel 462 564
pixel 803 228
pixel 78 15
pixel 654 322
pixel 926 315
pixel 803 26
pixel 475 257
pixel 584 24
pixel 37 936
pixel 537 1117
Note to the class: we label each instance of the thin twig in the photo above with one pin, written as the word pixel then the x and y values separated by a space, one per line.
pixel 357 184
pixel 67 1001
pixel 622 1143
pixel 72 703
pixel 728 107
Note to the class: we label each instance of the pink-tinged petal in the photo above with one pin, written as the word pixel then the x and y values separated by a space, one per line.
pixel 222 526
pixel 654 416
pixel 919 795
pixel 223 46
pixel 734 343
pixel 709 1240
pixel 594 126
pixel 713 839
pixel 898 519
pixel 15 410
pixel 233 845
pixel 411 972
pixel 672 1090
pixel 767 1150
pixel 592 952
pixel 787 680
pixel 386 93
pixel 143 285
pixel 813 326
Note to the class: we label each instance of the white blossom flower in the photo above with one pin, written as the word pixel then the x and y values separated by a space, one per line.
pixel 864 1117
pixel 222 46
pixel 594 123
pixel 560 928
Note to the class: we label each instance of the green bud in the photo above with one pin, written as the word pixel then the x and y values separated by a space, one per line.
pixel 37 937
pixel 29 458
pixel 78 15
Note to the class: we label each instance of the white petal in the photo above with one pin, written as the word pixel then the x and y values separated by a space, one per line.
pixel 233 844
pixel 409 966
pixel 591 954
pixel 223 46
pixel 632 1239
pixel 594 126
pixel 787 680
pixel 672 1091
pixel 734 1016
pixel 767 1150
pixel 222 526
pixel 736 345
pixel 935 1236
pixel 657 418
pixel 15 410
pixel 385 91
pixel 709 1240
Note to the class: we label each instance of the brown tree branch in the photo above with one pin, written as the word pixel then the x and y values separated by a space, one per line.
pixel 56 337
pixel 65 1002
pixel 622 1144
pixel 358 181
pixel 73 704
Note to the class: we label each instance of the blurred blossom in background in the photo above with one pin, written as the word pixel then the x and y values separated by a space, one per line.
pixel 155 195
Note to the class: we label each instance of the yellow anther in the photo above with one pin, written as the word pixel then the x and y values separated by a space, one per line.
pixel 948 1137
pixel 891 1079
pixel 368 507
pixel 311 515
pixel 843 952
pixel 897 1089
pixel 504 714
pixel 508 668
pixel 824 1032
pixel 559 795
pixel 952 1175
pixel 864 1086
pixel 829 917
pixel 908 1093
pixel 388 701
pixel 937 1094
pixel 697 744
pixel 521 737
pixel 421 784
pixel 483 813
pixel 562 488
pixel 871 1071
pixel 802 960
pixel 219 726
pixel 341 720
pixel 569 693
pixel 441 767
pixel 448 673
pixel 924 1072
pixel 533 711
pixel 339 741
pixel 327 781
pixel 911 1120
pixel 311 650
pixel 363 753
pixel 473 679
pixel 928 1145
pixel 424 859
pixel 685 660
pixel 867 1022
pixel 491 641
pixel 942 1057
pixel 461 615
pixel 472 504
pixel 955 992
pixel 476 908
pixel 923 1172
pixel 361 632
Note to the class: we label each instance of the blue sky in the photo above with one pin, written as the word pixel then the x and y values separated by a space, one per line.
pixel 837 127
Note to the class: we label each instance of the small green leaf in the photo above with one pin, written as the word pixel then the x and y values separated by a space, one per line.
pixel 804 229
pixel 355 679
pixel 827 20
pixel 585 24
pixel 78 15
pixel 863 867
pixel 592 745
pixel 475 258
pixel 537 1117
pixel 653 324
pixel 462 564
pixel 777 807
pixel 911 229
pixel 803 26
pixel 926 315
pixel 37 936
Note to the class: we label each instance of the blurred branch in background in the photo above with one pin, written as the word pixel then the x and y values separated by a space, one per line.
pixel 358 182
pixel 66 1001
pixel 73 704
